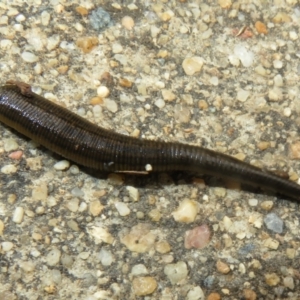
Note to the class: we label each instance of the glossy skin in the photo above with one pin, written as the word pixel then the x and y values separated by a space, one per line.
pixel 89 145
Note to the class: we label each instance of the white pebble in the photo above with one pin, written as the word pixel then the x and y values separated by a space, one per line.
pixel 53 42
pixel 20 18
pixel 62 165
pixel 97 111
pixel 246 56
pixel 214 80
pixel 195 294
pixel 287 111
pixel 18 215
pixel 242 95
pixel 289 282
pixel 278 80
pixel 253 202
pixel 45 18
pixel 186 212
pixel 293 35
pixel 133 193
pixel 122 209
pixel 7 246
pixel 176 272
pixel 138 270
pixel 10 145
pixel 53 257
pixel 234 60
pixel 29 57
pixel 111 105
pixel 277 64
pixel 9 169
pixel 106 258
pixel 102 91
pixel 192 65
pixel 117 48
pixel 160 103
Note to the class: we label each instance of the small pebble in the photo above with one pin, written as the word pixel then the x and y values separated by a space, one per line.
pixel 168 95
pixel 182 114
pixel 10 145
pixel 9 169
pixel 253 202
pixel 40 192
pixel 271 244
pixel 133 193
pixel 272 279
pixel 186 212
pixel 143 286
pixel 73 204
pixel 45 18
pixel 27 266
pixel 29 57
pixel 249 294
pixel 140 239
pixel 16 155
pixel 192 65
pixel 246 56
pixel 293 35
pixel 122 209
pixel 273 222
pixel 62 165
pixel 226 4
pixel 111 105
pixel 242 95
pixel 154 215
pixel 160 103
pixel 176 272
pixel 73 225
pixel 261 27
pixel 138 270
pixel 117 48
pixel 162 247
pixel 87 44
pixel 278 80
pixel 199 237
pixel 277 64
pixel 195 293
pixel 1 227
pixel 222 267
pixel 18 215
pixel 53 257
pixel 105 256
pixel 289 282
pixel 7 246
pixel 127 22
pixel 213 296
pixel 100 19
pixel 95 208
pixel 267 205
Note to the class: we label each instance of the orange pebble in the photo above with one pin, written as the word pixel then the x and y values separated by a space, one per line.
pixel 261 27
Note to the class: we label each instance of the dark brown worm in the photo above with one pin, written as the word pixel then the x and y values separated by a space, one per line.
pixel 84 143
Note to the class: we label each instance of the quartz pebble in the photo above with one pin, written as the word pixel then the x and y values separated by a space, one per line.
pixel 111 105
pixel 62 165
pixel 53 257
pixel 9 169
pixel 143 286
pixel 195 294
pixel 29 57
pixel 7 246
pixel 242 95
pixel 198 237
pixel 133 193
pixel 101 235
pixel 245 56
pixel 73 204
pixel 10 145
pixel 140 239
pixel 102 91
pixel 192 65
pixel 18 215
pixel 289 282
pixel 122 209
pixel 176 272
pixel 273 222
pixel 105 256
pixel 186 212
pixel 163 247
pixel 139 269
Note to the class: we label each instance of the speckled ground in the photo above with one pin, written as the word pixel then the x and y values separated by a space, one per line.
pixel 213 73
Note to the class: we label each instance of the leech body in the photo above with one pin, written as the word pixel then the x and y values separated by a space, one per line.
pixel 84 143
